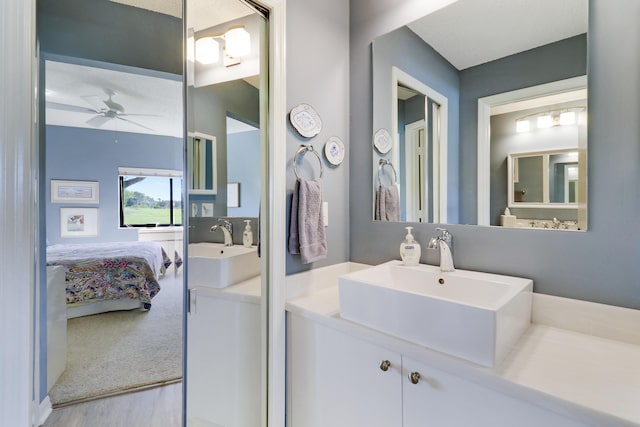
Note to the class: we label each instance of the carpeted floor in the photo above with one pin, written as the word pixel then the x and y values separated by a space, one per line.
pixel 114 352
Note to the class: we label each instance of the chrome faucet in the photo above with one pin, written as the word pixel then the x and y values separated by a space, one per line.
pixel 227 230
pixel 444 241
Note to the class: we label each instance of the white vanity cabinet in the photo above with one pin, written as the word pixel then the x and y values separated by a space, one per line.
pixel 223 360
pixel 334 379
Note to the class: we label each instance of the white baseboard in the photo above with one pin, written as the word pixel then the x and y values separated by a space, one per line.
pixel 44 410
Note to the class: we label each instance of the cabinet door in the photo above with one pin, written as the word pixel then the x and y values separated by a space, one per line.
pixel 223 362
pixel 335 379
pixel 442 399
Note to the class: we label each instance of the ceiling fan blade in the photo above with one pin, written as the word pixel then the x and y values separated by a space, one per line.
pixel 139 115
pixel 98 121
pixel 95 102
pixel 134 123
pixel 69 107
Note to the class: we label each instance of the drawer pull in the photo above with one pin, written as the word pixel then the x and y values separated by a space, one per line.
pixel 414 377
pixel 385 365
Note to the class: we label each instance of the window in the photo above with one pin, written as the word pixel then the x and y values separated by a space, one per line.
pixel 150 197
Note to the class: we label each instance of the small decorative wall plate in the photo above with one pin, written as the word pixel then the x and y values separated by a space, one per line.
pixel 382 141
pixel 305 120
pixel 334 150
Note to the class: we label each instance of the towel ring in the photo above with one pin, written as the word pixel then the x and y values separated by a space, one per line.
pixel 383 163
pixel 304 149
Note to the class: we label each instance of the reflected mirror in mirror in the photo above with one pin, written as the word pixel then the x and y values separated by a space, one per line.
pixel 538 154
pixel 438 82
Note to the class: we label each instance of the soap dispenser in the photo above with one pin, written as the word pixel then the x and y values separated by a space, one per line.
pixel 247 235
pixel 410 249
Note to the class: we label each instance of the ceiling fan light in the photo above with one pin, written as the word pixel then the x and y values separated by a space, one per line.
pixel 207 50
pixel 237 42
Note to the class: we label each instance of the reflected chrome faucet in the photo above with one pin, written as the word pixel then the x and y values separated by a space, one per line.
pixel 227 230
pixel 444 241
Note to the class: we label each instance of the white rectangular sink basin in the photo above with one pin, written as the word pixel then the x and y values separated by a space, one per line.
pixel 217 266
pixel 472 315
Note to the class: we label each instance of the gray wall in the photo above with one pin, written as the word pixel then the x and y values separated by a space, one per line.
pixel 93 155
pixel 599 265
pixel 318 75
pixel 243 166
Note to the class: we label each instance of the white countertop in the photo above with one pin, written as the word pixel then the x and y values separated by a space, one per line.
pixel 591 379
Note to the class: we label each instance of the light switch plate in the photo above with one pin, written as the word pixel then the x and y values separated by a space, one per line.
pixel 325 213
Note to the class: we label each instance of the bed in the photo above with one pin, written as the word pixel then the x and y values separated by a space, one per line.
pixel 101 277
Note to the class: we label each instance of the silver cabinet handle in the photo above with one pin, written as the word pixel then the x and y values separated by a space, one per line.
pixel 414 377
pixel 385 365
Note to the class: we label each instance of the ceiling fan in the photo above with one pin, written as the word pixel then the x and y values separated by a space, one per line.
pixel 104 109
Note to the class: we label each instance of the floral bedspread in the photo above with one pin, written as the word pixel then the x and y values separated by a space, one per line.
pixel 98 277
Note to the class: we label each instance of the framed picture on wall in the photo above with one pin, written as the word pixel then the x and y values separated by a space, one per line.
pixel 78 222
pixel 74 191
pixel 233 195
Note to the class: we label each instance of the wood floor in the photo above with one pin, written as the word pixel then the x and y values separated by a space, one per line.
pixel 156 407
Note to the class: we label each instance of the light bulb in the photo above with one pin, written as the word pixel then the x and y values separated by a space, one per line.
pixel 207 50
pixel 568 118
pixel 545 121
pixel 237 42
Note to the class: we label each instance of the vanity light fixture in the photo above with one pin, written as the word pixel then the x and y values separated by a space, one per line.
pixel 547 119
pixel 237 43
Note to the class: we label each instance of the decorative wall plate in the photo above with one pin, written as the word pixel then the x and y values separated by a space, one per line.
pixel 334 150
pixel 305 120
pixel 382 141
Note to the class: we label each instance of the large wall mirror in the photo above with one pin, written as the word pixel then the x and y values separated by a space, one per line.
pixel 462 95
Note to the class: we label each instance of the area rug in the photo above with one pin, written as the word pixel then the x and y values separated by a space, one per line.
pixel 121 351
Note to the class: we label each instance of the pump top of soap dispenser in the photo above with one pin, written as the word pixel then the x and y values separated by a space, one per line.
pixel 410 249
pixel 248 224
pixel 409 237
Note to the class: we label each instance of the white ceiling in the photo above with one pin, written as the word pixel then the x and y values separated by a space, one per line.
pixel 167 7
pixel 73 91
pixel 472 32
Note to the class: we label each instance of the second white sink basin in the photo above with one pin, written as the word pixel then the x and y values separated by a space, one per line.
pixel 217 266
pixel 472 315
